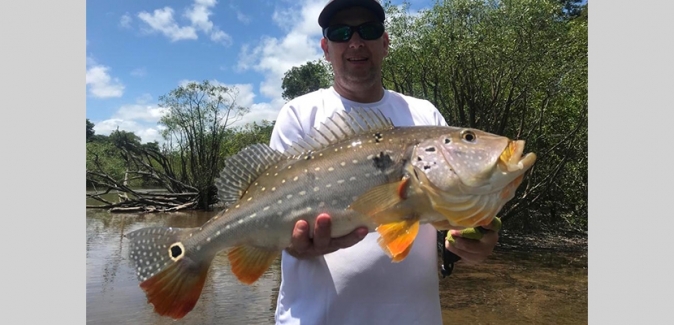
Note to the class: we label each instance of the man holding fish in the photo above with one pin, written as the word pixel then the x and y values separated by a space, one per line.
pixel 350 191
pixel 349 279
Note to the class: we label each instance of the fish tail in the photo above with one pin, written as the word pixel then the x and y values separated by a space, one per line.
pixel 171 274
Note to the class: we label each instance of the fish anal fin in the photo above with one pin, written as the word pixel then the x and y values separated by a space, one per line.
pixel 250 262
pixel 401 256
pixel 175 290
pixel 396 238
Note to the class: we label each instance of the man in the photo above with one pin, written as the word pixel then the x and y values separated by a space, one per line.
pixel 350 280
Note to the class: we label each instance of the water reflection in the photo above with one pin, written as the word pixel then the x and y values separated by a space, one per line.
pixel 113 295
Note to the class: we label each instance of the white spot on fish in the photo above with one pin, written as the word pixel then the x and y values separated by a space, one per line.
pixel 240 221
pixel 296 178
pixel 279 201
pixel 328 186
pixel 250 198
pixel 237 206
pixel 227 227
pixel 253 215
pixel 353 178
pixel 370 157
pixel 264 188
pixel 343 164
pixel 265 208
pixel 322 204
pixel 340 181
pixel 354 161
pixel 330 169
pixel 273 189
pixel 317 168
pixel 289 196
pixel 316 189
pixel 217 233
pixel 303 192
pixel 198 247
pixel 208 239
pixel 283 181
pixel 367 174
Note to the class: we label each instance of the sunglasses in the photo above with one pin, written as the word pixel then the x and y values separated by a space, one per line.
pixel 342 33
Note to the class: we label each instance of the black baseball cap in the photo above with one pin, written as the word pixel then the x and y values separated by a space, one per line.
pixel 334 6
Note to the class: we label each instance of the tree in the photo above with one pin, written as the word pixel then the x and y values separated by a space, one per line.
pixel 197 121
pixel 90 130
pixel 306 78
pixel 516 68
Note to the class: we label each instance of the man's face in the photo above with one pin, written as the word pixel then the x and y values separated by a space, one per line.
pixel 357 62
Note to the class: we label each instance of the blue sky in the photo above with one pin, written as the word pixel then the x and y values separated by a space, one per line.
pixel 139 50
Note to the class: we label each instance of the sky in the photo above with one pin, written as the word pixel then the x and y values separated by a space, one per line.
pixel 137 51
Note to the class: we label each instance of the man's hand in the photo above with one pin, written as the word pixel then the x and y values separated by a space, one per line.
pixel 474 250
pixel 303 246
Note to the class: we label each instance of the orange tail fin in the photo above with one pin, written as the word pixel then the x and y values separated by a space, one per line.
pixel 171 274
pixel 175 290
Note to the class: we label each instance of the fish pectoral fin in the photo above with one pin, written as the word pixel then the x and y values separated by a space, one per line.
pixel 249 262
pixel 380 199
pixel 396 238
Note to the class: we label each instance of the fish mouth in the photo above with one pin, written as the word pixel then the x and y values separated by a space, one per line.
pixel 511 158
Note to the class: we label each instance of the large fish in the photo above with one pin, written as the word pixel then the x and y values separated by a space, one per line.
pixel 357 167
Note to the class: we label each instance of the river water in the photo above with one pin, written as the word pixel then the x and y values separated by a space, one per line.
pixel 512 287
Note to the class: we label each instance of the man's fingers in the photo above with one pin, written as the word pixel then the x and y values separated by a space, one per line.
pixel 322 232
pixel 350 239
pixel 300 239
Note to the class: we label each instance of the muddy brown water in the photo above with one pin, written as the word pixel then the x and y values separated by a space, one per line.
pixel 514 286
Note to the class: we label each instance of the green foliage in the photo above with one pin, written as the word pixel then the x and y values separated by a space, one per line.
pixel 306 78
pixel 196 124
pixel 516 68
pixel 90 130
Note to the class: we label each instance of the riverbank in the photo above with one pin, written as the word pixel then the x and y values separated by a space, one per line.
pixel 530 279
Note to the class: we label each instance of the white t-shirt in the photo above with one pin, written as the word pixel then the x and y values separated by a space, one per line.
pixel 359 284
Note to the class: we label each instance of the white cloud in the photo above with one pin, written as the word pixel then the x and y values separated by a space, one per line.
pixel 145 132
pixel 273 56
pixel 198 16
pixel 100 84
pixel 140 118
pixel 162 21
pixel 125 21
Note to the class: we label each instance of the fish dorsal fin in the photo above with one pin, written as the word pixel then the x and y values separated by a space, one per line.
pixel 244 167
pixel 341 125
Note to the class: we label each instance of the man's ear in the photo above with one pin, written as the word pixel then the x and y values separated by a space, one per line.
pixel 386 43
pixel 324 46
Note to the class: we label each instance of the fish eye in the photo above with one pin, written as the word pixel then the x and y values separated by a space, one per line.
pixel 468 136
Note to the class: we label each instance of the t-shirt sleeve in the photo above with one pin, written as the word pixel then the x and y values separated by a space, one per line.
pixel 287 129
pixel 438 119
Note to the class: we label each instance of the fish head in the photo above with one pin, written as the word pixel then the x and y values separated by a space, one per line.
pixel 472 160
